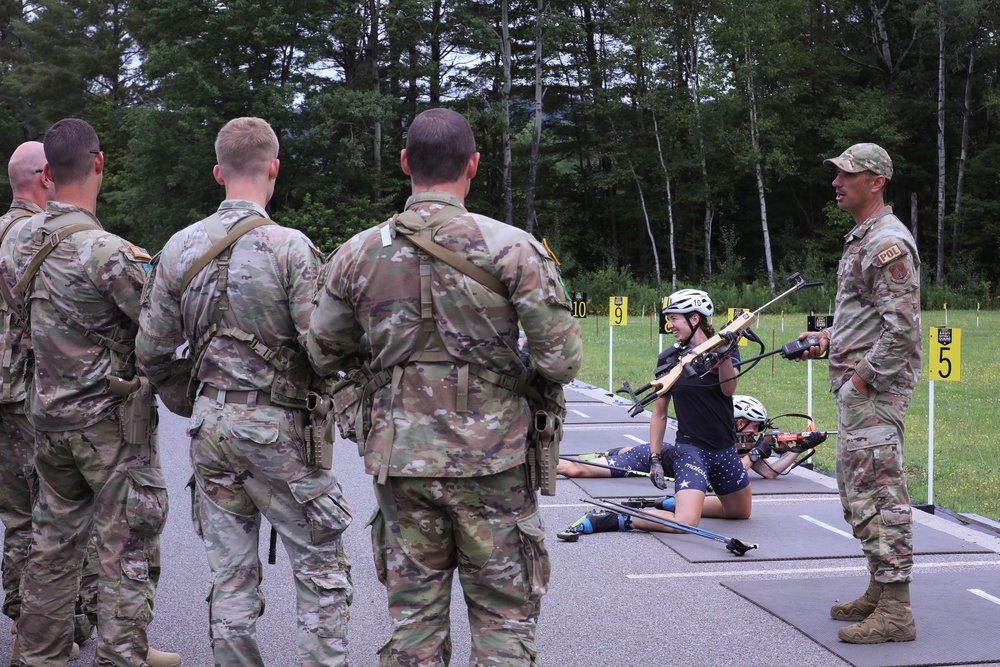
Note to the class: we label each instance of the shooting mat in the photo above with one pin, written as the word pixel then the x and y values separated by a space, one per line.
pixel 954 625
pixel 782 533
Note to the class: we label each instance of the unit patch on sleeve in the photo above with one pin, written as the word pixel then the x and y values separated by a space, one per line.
pixel 899 272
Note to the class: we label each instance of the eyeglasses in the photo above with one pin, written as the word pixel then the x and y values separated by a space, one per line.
pixel 96 152
pixel 39 171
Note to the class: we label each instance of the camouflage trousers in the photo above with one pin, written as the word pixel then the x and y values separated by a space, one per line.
pixel 91 481
pixel 17 493
pixel 248 461
pixel 871 479
pixel 490 529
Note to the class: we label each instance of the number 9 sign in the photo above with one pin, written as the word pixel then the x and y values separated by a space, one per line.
pixel 618 311
pixel 946 354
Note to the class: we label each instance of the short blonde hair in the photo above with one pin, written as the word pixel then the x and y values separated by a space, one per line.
pixel 245 147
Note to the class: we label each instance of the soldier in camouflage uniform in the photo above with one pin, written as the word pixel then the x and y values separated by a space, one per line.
pixel 247 446
pixel 82 305
pixel 32 190
pixel 447 444
pixel 875 351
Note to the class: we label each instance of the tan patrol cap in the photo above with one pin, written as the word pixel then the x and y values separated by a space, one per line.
pixel 863 157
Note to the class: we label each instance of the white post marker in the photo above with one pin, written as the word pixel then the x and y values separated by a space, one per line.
pixel 814 323
pixel 617 317
pixel 946 365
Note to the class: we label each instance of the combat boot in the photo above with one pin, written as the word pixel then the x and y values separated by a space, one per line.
pixel 892 620
pixel 860 609
pixel 160 659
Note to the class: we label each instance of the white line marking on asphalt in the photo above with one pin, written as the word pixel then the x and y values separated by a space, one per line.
pixel 809 570
pixel 826 526
pixel 582 414
pixel 632 437
pixel 984 595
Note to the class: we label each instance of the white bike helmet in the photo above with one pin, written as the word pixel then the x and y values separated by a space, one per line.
pixel 689 301
pixel 748 408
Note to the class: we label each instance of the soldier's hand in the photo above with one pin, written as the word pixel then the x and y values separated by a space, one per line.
pixel 815 351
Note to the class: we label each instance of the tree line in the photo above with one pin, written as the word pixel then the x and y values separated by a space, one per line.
pixel 680 141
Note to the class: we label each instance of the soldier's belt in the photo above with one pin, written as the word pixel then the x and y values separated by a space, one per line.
pixel 246 397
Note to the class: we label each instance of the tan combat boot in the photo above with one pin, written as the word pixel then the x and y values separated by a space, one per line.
pixel 160 659
pixel 860 609
pixel 892 620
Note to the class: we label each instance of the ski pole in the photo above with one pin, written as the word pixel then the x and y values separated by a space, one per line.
pixel 605 466
pixel 734 545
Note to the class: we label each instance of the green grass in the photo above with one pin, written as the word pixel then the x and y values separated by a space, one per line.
pixel 966 413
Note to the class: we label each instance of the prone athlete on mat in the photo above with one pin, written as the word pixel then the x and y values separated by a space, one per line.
pixel 633 461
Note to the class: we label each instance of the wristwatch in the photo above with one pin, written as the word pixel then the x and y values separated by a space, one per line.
pixel 754 455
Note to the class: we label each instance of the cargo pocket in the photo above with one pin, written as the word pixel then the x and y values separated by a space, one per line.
pixel 377 524
pixel 328 515
pixel 261 431
pixel 146 506
pixel 334 590
pixel 535 554
pixel 134 589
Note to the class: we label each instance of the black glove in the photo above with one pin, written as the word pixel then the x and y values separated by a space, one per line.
pixel 656 475
pixel 761 450
pixel 809 441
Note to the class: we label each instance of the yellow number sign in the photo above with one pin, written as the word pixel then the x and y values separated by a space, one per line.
pixel 618 311
pixel 946 354
pixel 733 313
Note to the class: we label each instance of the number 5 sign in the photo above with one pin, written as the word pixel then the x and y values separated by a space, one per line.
pixel 946 354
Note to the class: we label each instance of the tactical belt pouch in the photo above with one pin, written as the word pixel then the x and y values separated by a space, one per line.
pixel 292 377
pixel 353 398
pixel 544 437
pixel 137 413
pixel 319 434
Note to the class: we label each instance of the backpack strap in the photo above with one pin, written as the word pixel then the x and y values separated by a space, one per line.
pixel 449 257
pixel 48 246
pixel 246 224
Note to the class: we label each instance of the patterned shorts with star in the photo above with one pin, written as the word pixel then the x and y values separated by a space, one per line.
pixel 696 468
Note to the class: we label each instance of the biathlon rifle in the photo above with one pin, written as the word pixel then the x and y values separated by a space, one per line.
pixel 689 358
pixel 783 443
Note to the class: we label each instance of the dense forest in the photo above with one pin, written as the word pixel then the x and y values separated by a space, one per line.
pixel 660 142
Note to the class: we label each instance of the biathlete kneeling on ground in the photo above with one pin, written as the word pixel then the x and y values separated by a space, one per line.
pixel 750 418
pixel 705 452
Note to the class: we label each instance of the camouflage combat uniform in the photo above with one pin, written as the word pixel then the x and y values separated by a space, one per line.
pixel 248 453
pixel 448 462
pixel 16 436
pixel 17 447
pixel 877 334
pixel 89 477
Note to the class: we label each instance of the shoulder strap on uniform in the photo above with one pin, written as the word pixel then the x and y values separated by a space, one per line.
pixel 451 258
pixel 50 244
pixel 239 229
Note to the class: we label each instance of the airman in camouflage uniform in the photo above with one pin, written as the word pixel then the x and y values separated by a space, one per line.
pixel 32 190
pixel 875 352
pixel 82 305
pixel 447 445
pixel 247 450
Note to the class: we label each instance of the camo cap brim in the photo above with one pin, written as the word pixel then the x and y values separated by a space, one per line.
pixel 863 157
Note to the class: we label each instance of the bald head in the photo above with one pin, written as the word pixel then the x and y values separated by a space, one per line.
pixel 25 166
pixel 25 172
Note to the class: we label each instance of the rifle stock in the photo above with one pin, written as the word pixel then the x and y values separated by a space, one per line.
pixel 739 323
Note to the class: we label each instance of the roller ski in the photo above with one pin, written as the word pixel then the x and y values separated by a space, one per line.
pixel 595 521
pixel 664 503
